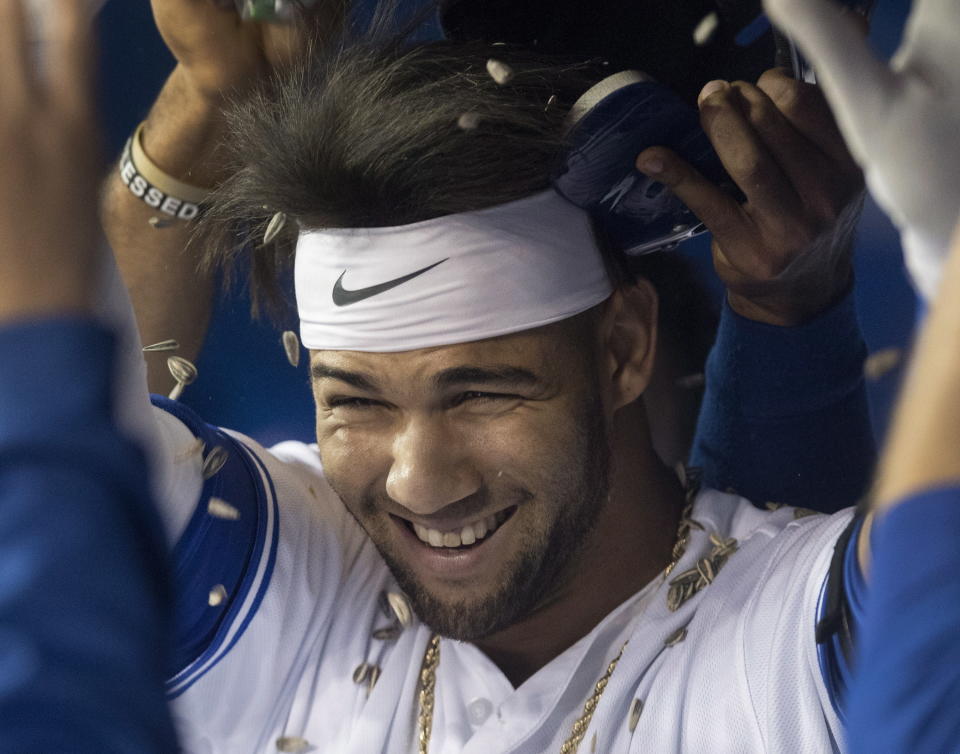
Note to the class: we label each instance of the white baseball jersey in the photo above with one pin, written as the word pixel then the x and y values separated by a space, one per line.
pixel 281 634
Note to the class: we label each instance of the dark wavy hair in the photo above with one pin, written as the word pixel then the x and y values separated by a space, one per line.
pixel 381 132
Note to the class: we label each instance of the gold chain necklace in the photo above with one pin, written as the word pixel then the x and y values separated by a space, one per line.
pixel 431 658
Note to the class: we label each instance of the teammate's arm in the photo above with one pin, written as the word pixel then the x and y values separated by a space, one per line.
pixel 785 415
pixel 82 585
pixel 218 56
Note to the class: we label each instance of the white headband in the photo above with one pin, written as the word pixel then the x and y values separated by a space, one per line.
pixel 453 279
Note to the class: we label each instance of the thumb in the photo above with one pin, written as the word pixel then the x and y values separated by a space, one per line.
pixel 856 83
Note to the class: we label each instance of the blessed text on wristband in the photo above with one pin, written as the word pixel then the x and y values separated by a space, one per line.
pixel 154 187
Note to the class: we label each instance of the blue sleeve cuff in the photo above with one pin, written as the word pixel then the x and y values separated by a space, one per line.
pixel 769 371
pixel 904 694
pixel 785 415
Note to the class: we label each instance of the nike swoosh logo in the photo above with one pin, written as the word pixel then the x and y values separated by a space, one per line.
pixel 344 297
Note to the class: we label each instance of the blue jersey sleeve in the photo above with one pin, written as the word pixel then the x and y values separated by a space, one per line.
pixel 223 561
pixel 904 693
pixel 785 416
pixel 83 593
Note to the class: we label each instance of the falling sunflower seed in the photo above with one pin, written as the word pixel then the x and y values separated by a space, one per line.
pixel 468 121
pixel 551 101
pixel 362 673
pixel 276 224
pixel 881 362
pixel 705 30
pixel 499 71
pixel 692 381
pixel 222 509
pixel 291 346
pixel 214 461
pixel 676 637
pixel 372 678
pixel 387 633
pixel 635 709
pixel 163 345
pixel 680 469
pixel 158 223
pixel 217 595
pixel 400 608
pixel 183 371
pixel 292 744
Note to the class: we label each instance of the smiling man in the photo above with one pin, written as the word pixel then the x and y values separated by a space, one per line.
pixel 483 552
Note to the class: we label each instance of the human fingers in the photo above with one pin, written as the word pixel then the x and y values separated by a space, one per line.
pixel 856 82
pixel 743 153
pixel 16 72
pixel 723 216
pixel 822 184
pixel 807 110
pixel 70 76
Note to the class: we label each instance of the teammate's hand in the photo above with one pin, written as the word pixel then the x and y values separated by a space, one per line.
pixel 901 120
pixel 784 254
pixel 48 180
pixel 220 52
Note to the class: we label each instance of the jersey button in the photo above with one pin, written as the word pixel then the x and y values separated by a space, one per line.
pixel 479 710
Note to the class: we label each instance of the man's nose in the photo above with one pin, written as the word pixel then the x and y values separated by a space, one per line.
pixel 430 468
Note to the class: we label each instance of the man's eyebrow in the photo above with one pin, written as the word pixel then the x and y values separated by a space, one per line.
pixel 508 375
pixel 357 379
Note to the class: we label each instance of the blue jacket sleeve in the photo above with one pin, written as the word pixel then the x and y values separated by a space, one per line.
pixel 83 596
pixel 904 691
pixel 785 416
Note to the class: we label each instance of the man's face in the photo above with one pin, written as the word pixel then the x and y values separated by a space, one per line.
pixel 478 470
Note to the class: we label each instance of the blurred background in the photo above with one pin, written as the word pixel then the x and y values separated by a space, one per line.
pixel 245 382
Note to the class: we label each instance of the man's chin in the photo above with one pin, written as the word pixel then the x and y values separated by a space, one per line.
pixel 464 612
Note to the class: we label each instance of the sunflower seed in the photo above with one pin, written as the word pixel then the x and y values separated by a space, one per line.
pixel 676 637
pixel 681 471
pixel 387 633
pixel 705 30
pixel 293 744
pixel 468 121
pixel 373 677
pixel 291 346
pixel 881 362
pixel 593 744
pixel 214 461
pixel 183 372
pixel 158 223
pixel 163 345
pixel 276 224
pixel 551 101
pixel 705 568
pixel 499 71
pixel 692 381
pixel 799 513
pixel 400 608
pixel 222 509
pixel 362 673
pixel 635 709
pixel 217 595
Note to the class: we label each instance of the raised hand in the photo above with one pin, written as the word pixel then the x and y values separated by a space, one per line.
pixel 219 51
pixel 902 120
pixel 48 184
pixel 784 254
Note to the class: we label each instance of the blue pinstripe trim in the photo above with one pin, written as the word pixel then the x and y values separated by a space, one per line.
pixel 241 607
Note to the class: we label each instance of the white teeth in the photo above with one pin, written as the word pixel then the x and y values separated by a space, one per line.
pixel 480 529
pixel 468 535
pixel 451 539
